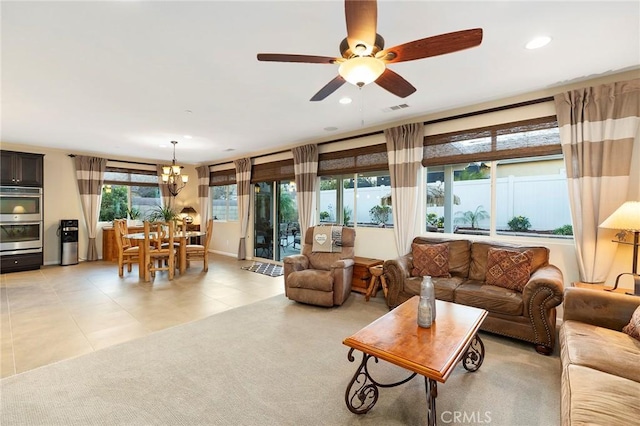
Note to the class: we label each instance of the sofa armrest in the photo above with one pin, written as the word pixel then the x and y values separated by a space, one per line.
pixel 342 263
pixel 544 289
pixel 342 272
pixel 598 307
pixel 395 272
pixel 297 262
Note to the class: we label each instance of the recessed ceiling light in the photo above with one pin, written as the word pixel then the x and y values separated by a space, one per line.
pixel 538 42
pixel 345 101
pixel 188 137
pixel 330 128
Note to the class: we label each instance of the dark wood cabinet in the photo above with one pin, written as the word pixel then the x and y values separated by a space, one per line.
pixel 21 262
pixel 21 169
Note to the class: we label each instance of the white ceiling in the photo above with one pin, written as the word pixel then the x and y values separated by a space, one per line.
pixel 116 78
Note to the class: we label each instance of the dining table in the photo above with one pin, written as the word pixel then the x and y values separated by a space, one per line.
pixel 181 236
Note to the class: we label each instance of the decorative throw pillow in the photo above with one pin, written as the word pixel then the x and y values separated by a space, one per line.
pixel 508 268
pixel 633 328
pixel 430 259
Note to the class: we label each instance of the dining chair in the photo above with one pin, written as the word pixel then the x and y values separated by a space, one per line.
pixel 199 251
pixel 127 254
pixel 157 257
pixel 176 244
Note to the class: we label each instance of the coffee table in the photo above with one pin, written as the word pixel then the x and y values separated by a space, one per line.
pixel 431 352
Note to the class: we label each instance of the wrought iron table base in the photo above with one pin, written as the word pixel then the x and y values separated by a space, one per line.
pixel 362 391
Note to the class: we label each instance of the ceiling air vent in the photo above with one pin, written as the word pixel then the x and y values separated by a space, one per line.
pixel 395 108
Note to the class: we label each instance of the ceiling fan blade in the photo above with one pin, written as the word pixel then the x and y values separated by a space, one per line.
pixel 395 84
pixel 283 57
pixel 362 20
pixel 432 46
pixel 331 87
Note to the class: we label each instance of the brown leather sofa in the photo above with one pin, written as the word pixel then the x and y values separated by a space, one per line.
pixel 600 363
pixel 322 279
pixel 529 315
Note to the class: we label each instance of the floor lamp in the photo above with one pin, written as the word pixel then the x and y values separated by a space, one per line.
pixel 627 218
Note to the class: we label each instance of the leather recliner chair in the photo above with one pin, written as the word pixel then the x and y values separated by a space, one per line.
pixel 320 278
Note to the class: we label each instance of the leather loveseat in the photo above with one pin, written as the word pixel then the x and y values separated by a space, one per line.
pixel 527 314
pixel 600 363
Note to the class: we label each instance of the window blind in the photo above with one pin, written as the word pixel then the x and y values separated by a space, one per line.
pixel 273 171
pixel 124 176
pixel 222 177
pixel 528 138
pixel 357 160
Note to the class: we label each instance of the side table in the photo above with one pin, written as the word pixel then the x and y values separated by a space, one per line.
pixel 600 287
pixel 377 278
pixel 361 273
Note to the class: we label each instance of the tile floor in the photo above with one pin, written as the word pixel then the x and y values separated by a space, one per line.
pixel 60 312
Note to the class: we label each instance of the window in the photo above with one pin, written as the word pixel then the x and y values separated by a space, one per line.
pixel 373 196
pixel 362 199
pixel 127 193
pixel 225 202
pixel 355 188
pixel 336 203
pixel 518 165
pixel 459 198
pixel 532 197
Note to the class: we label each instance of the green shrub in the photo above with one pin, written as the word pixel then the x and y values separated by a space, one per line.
pixel 380 214
pixel 519 223
pixel 324 215
pixel 434 220
pixel 564 230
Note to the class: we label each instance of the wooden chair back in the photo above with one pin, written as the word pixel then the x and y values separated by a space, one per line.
pixel 157 256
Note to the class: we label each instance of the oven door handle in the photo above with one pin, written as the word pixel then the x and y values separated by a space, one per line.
pixel 17 223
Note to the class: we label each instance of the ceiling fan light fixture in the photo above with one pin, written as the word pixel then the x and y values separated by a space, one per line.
pixel 538 42
pixel 361 70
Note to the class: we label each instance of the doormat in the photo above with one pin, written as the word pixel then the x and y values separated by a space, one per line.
pixel 270 269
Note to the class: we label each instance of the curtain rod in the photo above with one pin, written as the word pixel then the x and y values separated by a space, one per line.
pixel 123 161
pixel 438 120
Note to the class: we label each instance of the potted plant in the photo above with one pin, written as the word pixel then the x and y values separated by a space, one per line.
pixel 163 214
pixel 134 216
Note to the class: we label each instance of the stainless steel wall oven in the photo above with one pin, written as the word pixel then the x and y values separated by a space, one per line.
pixel 21 220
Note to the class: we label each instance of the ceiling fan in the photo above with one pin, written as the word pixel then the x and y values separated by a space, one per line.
pixel 364 58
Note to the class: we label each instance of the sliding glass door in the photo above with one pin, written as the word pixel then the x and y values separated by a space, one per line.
pixel 276 229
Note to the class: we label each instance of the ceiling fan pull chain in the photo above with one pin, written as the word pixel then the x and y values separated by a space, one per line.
pixel 361 106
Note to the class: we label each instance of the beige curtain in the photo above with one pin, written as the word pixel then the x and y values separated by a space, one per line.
pixel 305 165
pixel 90 176
pixel 165 195
pixel 243 179
pixel 404 148
pixel 599 134
pixel 203 193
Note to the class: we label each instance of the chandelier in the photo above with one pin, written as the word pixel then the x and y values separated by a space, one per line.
pixel 171 175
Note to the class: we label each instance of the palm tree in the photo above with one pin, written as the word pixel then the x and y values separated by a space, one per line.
pixel 471 217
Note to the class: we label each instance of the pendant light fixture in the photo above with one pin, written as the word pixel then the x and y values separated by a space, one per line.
pixel 171 175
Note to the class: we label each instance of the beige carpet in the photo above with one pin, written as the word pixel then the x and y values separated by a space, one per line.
pixel 275 362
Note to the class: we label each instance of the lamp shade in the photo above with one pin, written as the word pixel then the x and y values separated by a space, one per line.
pixel 188 210
pixel 626 217
pixel 361 70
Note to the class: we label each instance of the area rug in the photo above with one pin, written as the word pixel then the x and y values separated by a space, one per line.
pixel 275 362
pixel 270 269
